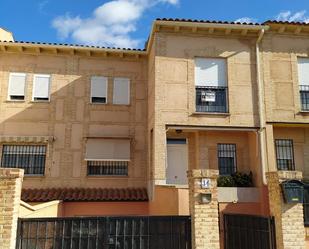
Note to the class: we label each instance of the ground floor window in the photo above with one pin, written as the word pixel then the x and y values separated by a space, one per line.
pixel 227 159
pixel 285 154
pixel 31 158
pixel 119 168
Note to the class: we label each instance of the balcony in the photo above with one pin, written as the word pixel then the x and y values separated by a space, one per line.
pixel 304 97
pixel 212 99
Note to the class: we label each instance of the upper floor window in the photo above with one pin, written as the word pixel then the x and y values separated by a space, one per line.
pixel 211 85
pixel 285 154
pixel 17 83
pixel 227 159
pixel 41 87
pixel 31 158
pixel 303 77
pixel 121 92
pixel 107 156
pixel 99 89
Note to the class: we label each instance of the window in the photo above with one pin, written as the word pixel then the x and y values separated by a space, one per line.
pixel 17 82
pixel 227 159
pixel 303 76
pixel 306 205
pixel 211 85
pixel 99 89
pixel 107 156
pixel 285 154
pixel 41 87
pixel 31 158
pixel 121 94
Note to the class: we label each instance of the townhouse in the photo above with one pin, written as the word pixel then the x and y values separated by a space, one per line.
pixel 108 131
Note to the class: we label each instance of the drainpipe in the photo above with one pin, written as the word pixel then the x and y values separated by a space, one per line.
pixel 261 132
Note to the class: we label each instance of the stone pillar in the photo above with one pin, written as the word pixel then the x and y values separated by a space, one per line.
pixel 205 216
pixel 289 218
pixel 10 191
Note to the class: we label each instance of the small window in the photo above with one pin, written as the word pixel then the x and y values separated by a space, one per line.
pixel 41 87
pixel 303 77
pixel 285 154
pixel 227 159
pixel 99 89
pixel 17 83
pixel 31 158
pixel 114 168
pixel 121 94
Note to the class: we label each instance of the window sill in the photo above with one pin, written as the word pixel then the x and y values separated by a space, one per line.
pixel 303 112
pixel 107 176
pixel 212 113
pixel 14 101
pixel 34 176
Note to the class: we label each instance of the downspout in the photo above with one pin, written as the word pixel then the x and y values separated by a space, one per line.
pixel 261 132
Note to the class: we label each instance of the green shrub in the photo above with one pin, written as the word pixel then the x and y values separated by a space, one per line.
pixel 235 180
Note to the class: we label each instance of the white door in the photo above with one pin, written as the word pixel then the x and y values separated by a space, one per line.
pixel 177 161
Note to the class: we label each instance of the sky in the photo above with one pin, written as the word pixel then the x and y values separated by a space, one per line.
pixel 127 23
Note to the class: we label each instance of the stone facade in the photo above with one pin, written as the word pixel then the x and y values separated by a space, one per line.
pixel 289 220
pixel 10 189
pixel 205 216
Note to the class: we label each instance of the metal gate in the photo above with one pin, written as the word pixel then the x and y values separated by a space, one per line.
pixel 138 232
pixel 248 231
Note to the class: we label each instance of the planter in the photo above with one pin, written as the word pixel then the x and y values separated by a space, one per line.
pixel 237 194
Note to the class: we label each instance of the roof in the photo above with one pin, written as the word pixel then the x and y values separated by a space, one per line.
pixel 285 22
pixel 205 21
pixel 84 194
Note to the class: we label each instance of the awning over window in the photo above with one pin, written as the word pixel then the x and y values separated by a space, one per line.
pixel 108 149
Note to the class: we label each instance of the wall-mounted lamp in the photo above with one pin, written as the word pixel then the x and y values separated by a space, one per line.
pixel 205 198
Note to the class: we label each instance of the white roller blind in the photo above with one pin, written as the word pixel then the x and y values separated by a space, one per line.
pixel 303 71
pixel 210 72
pixel 98 86
pixel 121 95
pixel 17 84
pixel 41 86
pixel 108 149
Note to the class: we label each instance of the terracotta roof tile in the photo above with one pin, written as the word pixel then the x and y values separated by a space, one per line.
pixel 84 194
pixel 204 21
pixel 284 22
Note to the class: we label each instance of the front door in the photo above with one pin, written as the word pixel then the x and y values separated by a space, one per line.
pixel 177 161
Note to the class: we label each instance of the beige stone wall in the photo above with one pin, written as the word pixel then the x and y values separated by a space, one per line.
pixel 69 117
pixel 10 190
pixel 280 76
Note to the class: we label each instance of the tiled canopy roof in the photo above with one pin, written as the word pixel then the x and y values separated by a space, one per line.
pixel 84 194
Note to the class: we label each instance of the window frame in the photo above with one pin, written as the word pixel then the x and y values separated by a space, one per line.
pixel 234 151
pixel 292 150
pixel 128 92
pixel 106 89
pixel 9 84
pixel 34 83
pixel 303 88
pixel 43 152
pixel 123 166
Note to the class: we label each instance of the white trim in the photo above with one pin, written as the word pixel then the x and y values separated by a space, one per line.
pixel 128 88
pixel 34 82
pixel 10 80
pixel 106 89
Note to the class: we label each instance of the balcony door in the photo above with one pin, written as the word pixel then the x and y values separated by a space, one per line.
pixel 177 162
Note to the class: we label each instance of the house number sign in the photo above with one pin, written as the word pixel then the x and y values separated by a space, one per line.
pixel 205 183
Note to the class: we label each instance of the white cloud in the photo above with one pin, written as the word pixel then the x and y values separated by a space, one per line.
pixel 246 20
pixel 109 25
pixel 289 16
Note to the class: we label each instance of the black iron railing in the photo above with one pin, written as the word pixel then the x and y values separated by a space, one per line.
pixel 31 158
pixel 211 99
pixel 227 159
pixel 248 231
pixel 119 168
pixel 285 154
pixel 306 205
pixel 151 232
pixel 304 97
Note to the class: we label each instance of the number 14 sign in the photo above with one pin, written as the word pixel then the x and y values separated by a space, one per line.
pixel 205 183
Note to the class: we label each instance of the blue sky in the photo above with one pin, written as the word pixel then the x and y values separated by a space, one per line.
pixel 126 23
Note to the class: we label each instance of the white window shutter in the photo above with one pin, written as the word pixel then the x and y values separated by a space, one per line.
pixel 303 71
pixel 99 86
pixel 41 86
pixel 121 95
pixel 17 84
pixel 210 72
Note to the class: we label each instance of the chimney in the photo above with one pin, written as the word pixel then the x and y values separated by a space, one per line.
pixel 6 35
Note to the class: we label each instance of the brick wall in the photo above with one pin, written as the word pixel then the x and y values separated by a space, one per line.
pixel 10 189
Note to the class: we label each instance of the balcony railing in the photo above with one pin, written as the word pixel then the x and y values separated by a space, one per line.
pixel 306 205
pixel 118 168
pixel 304 97
pixel 211 99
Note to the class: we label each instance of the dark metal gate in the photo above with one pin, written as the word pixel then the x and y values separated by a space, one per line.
pixel 248 231
pixel 138 232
